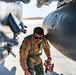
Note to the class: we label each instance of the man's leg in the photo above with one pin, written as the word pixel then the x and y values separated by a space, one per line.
pixel 30 66
pixel 39 69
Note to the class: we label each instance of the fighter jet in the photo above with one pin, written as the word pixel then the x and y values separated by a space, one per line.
pixel 59 25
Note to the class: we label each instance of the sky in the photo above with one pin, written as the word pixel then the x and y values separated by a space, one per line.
pixel 30 9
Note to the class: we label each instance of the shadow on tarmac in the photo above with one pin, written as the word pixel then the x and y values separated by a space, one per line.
pixel 5 71
pixel 52 73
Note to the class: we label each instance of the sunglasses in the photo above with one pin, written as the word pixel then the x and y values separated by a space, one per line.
pixel 37 37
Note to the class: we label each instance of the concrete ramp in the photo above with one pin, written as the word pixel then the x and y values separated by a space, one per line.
pixel 62 65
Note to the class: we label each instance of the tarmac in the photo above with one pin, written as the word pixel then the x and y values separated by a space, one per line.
pixel 62 64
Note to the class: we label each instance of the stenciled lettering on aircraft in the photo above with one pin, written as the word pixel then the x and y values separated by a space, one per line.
pixel 54 21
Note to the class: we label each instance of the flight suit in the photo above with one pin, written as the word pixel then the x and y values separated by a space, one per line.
pixel 30 56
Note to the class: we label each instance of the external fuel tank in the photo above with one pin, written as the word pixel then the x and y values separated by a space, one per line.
pixel 60 26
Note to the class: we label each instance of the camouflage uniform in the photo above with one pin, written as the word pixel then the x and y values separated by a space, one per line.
pixel 34 62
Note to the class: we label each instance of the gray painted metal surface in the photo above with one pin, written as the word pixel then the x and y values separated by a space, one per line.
pixel 61 29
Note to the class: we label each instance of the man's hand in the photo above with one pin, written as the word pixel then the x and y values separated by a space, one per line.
pixel 48 61
pixel 27 72
pixel 48 65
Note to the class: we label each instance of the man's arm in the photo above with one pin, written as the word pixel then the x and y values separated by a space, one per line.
pixel 47 49
pixel 24 54
pixel 47 52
